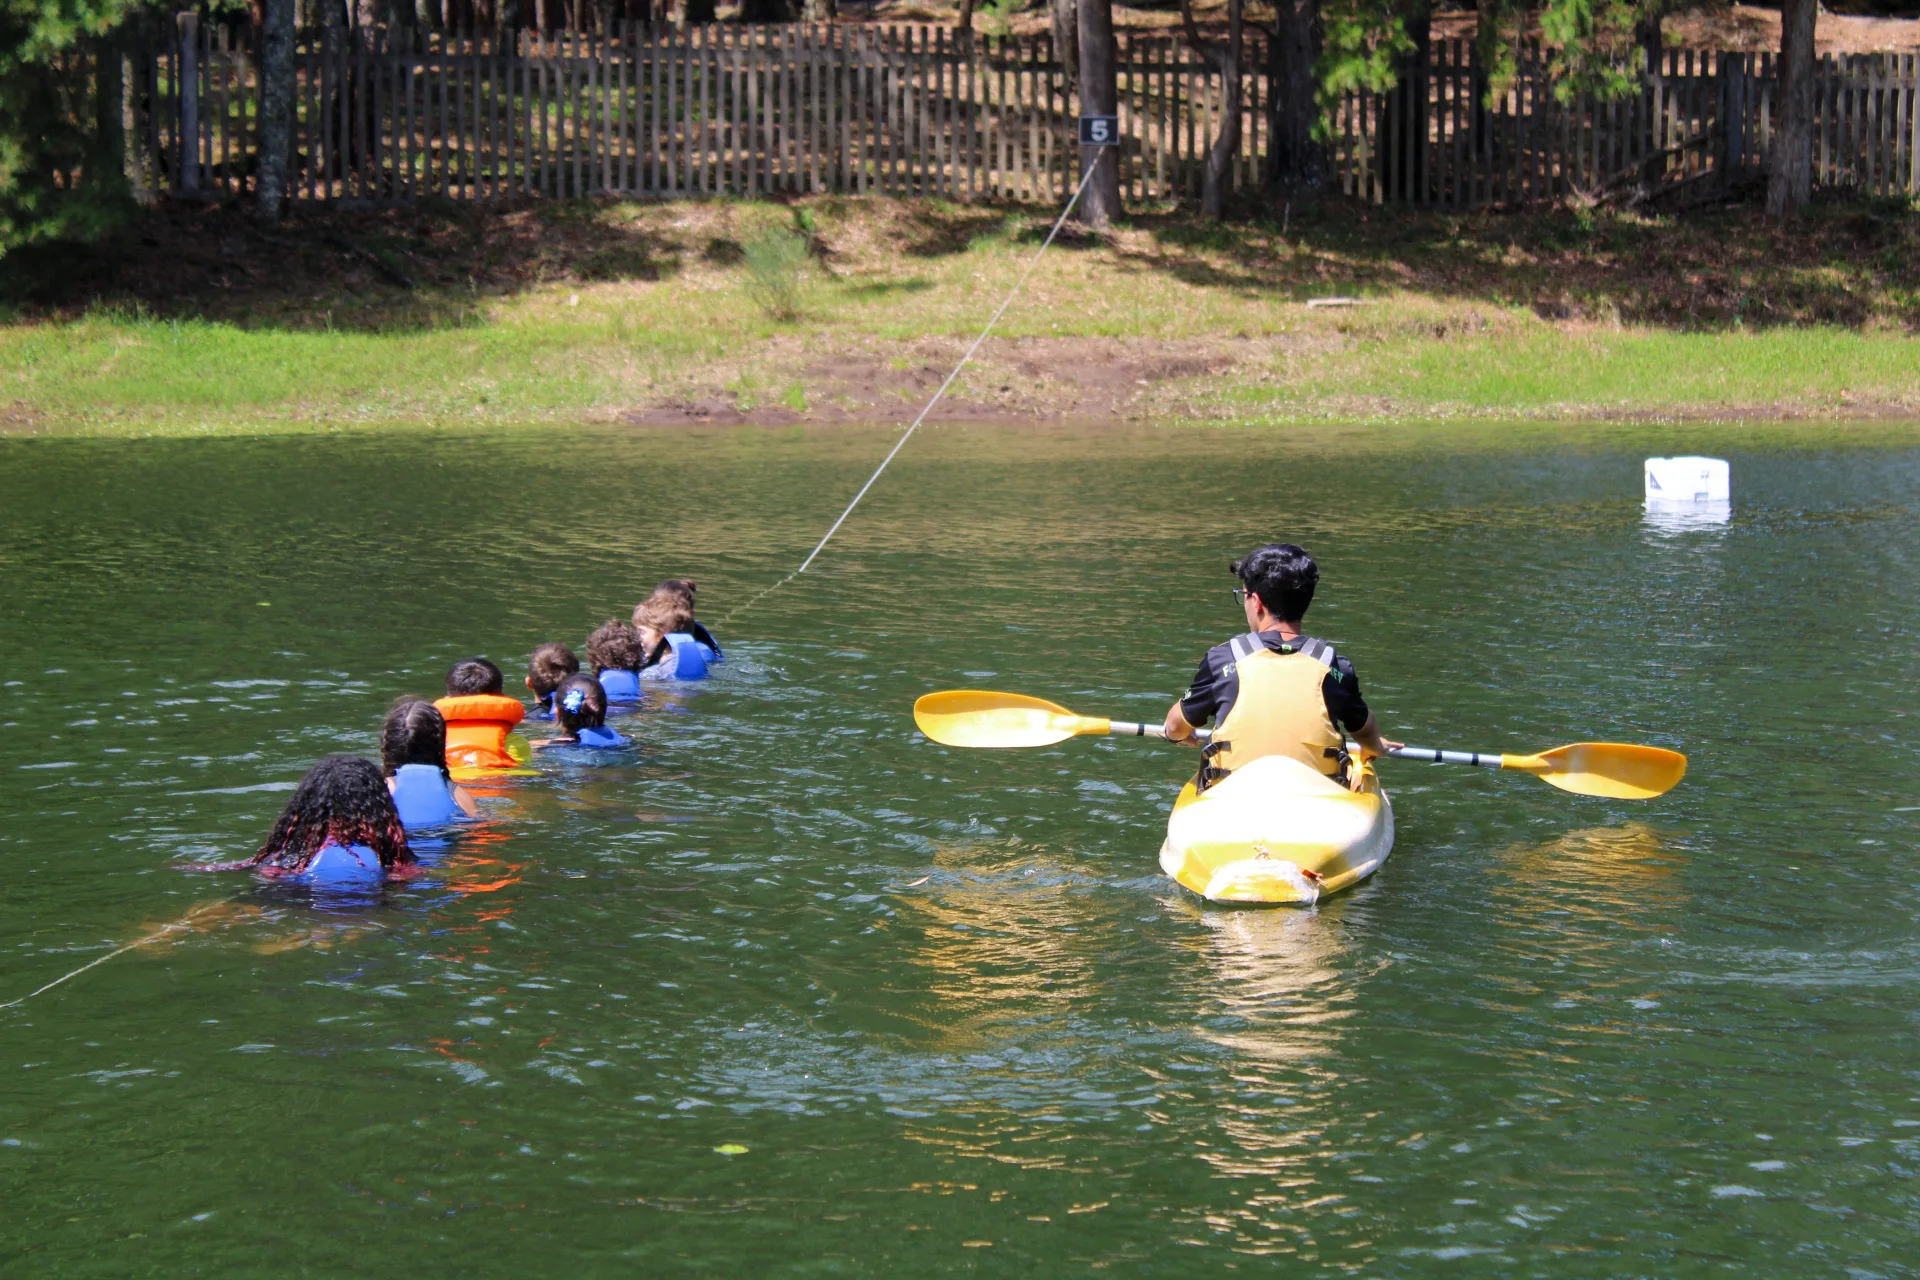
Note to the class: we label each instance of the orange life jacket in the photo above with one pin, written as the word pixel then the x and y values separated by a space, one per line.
pixel 477 729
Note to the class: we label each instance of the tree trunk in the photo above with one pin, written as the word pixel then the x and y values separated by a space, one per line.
pixel 1790 184
pixel 1216 176
pixel 1652 41
pixel 965 21
pixel 276 107
pixel 1296 162
pixel 1099 96
pixel 1066 37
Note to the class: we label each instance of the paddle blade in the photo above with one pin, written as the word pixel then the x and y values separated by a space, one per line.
pixel 1616 770
pixel 978 718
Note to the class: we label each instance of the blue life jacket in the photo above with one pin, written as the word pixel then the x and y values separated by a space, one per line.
pixel 690 657
pixel 542 708
pixel 621 685
pixel 424 797
pixel 705 637
pixel 593 737
pixel 343 866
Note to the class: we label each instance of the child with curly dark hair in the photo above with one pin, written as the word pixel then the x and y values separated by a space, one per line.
pixel 413 755
pixel 615 652
pixel 580 706
pixel 546 668
pixel 340 828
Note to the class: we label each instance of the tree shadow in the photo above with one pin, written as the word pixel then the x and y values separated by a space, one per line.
pixel 1847 263
pixel 430 265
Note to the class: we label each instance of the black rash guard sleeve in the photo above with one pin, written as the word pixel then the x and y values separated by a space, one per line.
pixel 1341 689
pixel 1202 699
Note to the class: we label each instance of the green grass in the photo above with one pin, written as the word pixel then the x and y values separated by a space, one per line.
pixel 586 311
pixel 1531 370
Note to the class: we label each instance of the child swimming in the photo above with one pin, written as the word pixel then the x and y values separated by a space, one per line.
pixel 546 668
pixel 339 828
pixel 413 755
pixel 580 706
pixel 616 654
pixel 681 592
pixel 671 650
pixel 478 716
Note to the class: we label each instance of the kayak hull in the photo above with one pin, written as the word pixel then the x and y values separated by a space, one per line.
pixel 1276 832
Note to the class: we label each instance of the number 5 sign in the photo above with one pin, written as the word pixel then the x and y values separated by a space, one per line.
pixel 1099 131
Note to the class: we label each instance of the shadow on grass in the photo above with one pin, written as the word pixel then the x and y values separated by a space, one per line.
pixel 432 265
pixel 440 264
pixel 1848 263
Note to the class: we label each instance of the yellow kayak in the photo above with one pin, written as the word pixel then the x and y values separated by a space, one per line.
pixel 1276 831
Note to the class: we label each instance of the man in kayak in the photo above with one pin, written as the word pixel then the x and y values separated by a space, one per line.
pixel 1275 690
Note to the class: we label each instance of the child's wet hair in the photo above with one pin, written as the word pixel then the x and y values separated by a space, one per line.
pixel 663 613
pixel 548 666
pixel 680 589
pixel 675 594
pixel 473 676
pixel 415 733
pixel 342 800
pixel 580 703
pixel 615 646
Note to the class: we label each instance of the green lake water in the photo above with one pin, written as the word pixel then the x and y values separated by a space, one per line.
pixel 945 1000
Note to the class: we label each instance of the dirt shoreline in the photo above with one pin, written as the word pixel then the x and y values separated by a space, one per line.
pixel 1119 380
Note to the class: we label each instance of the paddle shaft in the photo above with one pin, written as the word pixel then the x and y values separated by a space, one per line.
pixel 1431 756
pixel 1129 729
pixel 1428 755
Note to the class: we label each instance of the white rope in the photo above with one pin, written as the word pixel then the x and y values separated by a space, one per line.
pixel 1012 293
pixel 184 922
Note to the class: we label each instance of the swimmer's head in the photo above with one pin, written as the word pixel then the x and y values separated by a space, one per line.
pixel 580 703
pixel 659 616
pixel 473 676
pixel 678 590
pixel 615 646
pixel 549 665
pixel 415 733
pixel 343 800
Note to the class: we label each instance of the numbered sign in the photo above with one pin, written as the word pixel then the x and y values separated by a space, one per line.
pixel 1099 131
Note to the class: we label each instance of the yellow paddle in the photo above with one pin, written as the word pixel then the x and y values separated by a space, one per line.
pixel 978 718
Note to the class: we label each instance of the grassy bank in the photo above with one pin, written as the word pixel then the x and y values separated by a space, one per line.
pixel 688 312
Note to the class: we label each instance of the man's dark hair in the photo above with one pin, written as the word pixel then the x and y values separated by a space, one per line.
pixel 1283 576
pixel 550 664
pixel 473 676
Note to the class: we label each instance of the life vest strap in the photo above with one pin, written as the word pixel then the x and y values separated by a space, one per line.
pixel 1210 772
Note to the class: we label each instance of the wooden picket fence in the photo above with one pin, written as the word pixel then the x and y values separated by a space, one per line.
pixel 394 115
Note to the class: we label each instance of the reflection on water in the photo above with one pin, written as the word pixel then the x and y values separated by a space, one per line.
pixel 1685 518
pixel 944 1000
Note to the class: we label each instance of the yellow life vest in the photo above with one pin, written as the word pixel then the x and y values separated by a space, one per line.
pixel 1281 710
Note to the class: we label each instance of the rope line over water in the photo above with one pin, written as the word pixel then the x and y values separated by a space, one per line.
pixel 184 922
pixel 900 444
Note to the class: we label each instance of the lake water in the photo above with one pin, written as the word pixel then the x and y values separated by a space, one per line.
pixel 944 1000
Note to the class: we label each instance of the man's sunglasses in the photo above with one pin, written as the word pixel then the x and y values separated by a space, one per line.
pixel 1239 595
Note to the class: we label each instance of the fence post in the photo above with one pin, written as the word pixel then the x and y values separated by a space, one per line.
pixel 187 81
pixel 1734 114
